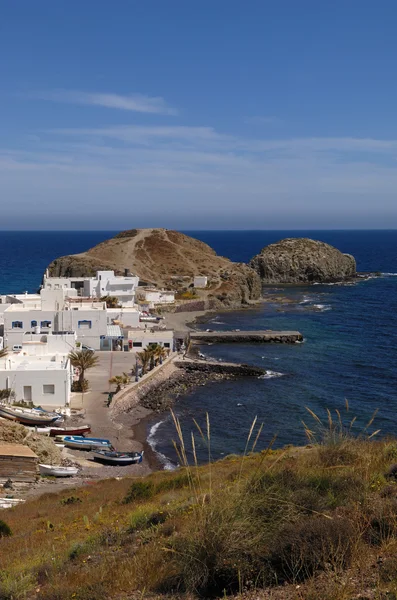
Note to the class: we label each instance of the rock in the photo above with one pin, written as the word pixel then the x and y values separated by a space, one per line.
pixel 302 260
pixel 167 259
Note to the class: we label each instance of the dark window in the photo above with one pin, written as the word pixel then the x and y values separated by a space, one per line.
pixel 45 324
pixel 33 323
pixel 137 344
pixel 17 325
pixel 166 344
pixel 84 324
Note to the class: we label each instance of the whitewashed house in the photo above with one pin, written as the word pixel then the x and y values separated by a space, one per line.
pixel 149 298
pixel 139 339
pixel 105 283
pixel 57 312
pixel 43 380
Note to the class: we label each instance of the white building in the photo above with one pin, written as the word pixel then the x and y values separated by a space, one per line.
pixel 200 281
pixel 105 283
pixel 45 344
pixel 57 312
pixel 151 297
pixel 139 339
pixel 43 380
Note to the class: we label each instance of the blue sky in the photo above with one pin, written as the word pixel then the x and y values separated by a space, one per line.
pixel 211 114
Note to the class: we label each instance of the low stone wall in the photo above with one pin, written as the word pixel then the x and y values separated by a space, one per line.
pixel 131 395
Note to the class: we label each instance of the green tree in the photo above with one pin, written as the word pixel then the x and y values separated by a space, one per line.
pixel 83 360
pixel 120 381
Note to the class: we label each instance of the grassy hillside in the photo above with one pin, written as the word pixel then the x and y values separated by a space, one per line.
pixel 311 523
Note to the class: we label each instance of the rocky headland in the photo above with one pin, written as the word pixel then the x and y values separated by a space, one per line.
pixel 302 260
pixel 167 259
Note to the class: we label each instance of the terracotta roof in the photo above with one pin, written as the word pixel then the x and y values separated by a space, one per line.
pixel 16 450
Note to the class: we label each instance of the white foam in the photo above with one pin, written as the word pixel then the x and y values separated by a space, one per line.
pixel 389 274
pixel 322 307
pixel 270 374
pixel 168 465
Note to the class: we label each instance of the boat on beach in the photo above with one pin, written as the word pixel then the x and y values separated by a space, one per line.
pixel 78 442
pixel 56 431
pixel 57 470
pixel 28 416
pixel 117 458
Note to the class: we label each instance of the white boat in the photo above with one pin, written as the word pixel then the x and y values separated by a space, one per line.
pixel 117 458
pixel 58 470
pixel 28 416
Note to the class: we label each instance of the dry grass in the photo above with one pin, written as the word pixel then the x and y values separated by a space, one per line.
pixel 294 517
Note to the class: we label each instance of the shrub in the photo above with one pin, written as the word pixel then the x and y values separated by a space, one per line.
pixel 5 530
pixel 78 386
pixel 311 545
pixel 70 500
pixel 139 490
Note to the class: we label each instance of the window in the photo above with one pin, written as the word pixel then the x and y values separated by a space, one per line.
pixel 137 344
pixel 48 388
pixel 166 344
pixel 84 324
pixel 45 324
pixel 33 323
pixel 17 325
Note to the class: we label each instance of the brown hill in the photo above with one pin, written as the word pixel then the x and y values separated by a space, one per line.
pixel 168 259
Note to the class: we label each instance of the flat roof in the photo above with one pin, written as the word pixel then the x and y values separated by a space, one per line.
pixel 33 363
pixel 16 450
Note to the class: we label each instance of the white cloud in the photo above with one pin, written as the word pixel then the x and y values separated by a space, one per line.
pixel 140 168
pixel 134 102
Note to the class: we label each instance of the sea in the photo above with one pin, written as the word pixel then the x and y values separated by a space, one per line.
pixel 348 357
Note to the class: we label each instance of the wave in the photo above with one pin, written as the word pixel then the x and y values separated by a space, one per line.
pixel 306 299
pixel 168 465
pixel 270 374
pixel 322 307
pixel 389 274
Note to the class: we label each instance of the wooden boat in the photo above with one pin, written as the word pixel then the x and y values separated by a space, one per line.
pixel 78 442
pixel 27 416
pixel 58 470
pixel 118 458
pixel 55 431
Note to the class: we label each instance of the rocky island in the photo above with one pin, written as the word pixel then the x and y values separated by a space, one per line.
pixel 302 260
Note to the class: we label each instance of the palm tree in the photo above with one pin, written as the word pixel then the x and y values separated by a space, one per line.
pixel 145 357
pixel 120 380
pixel 83 360
pixel 154 350
pixel 3 352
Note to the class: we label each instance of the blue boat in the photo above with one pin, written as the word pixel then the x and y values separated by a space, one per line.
pixel 78 442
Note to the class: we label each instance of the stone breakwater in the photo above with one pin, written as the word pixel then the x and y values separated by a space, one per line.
pixel 246 337
pixel 160 390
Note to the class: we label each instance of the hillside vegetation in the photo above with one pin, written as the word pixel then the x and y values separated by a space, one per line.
pixel 311 523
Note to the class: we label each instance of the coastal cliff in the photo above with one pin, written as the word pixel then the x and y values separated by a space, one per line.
pixel 168 259
pixel 302 260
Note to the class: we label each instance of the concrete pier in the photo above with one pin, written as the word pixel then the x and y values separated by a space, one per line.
pixel 256 337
